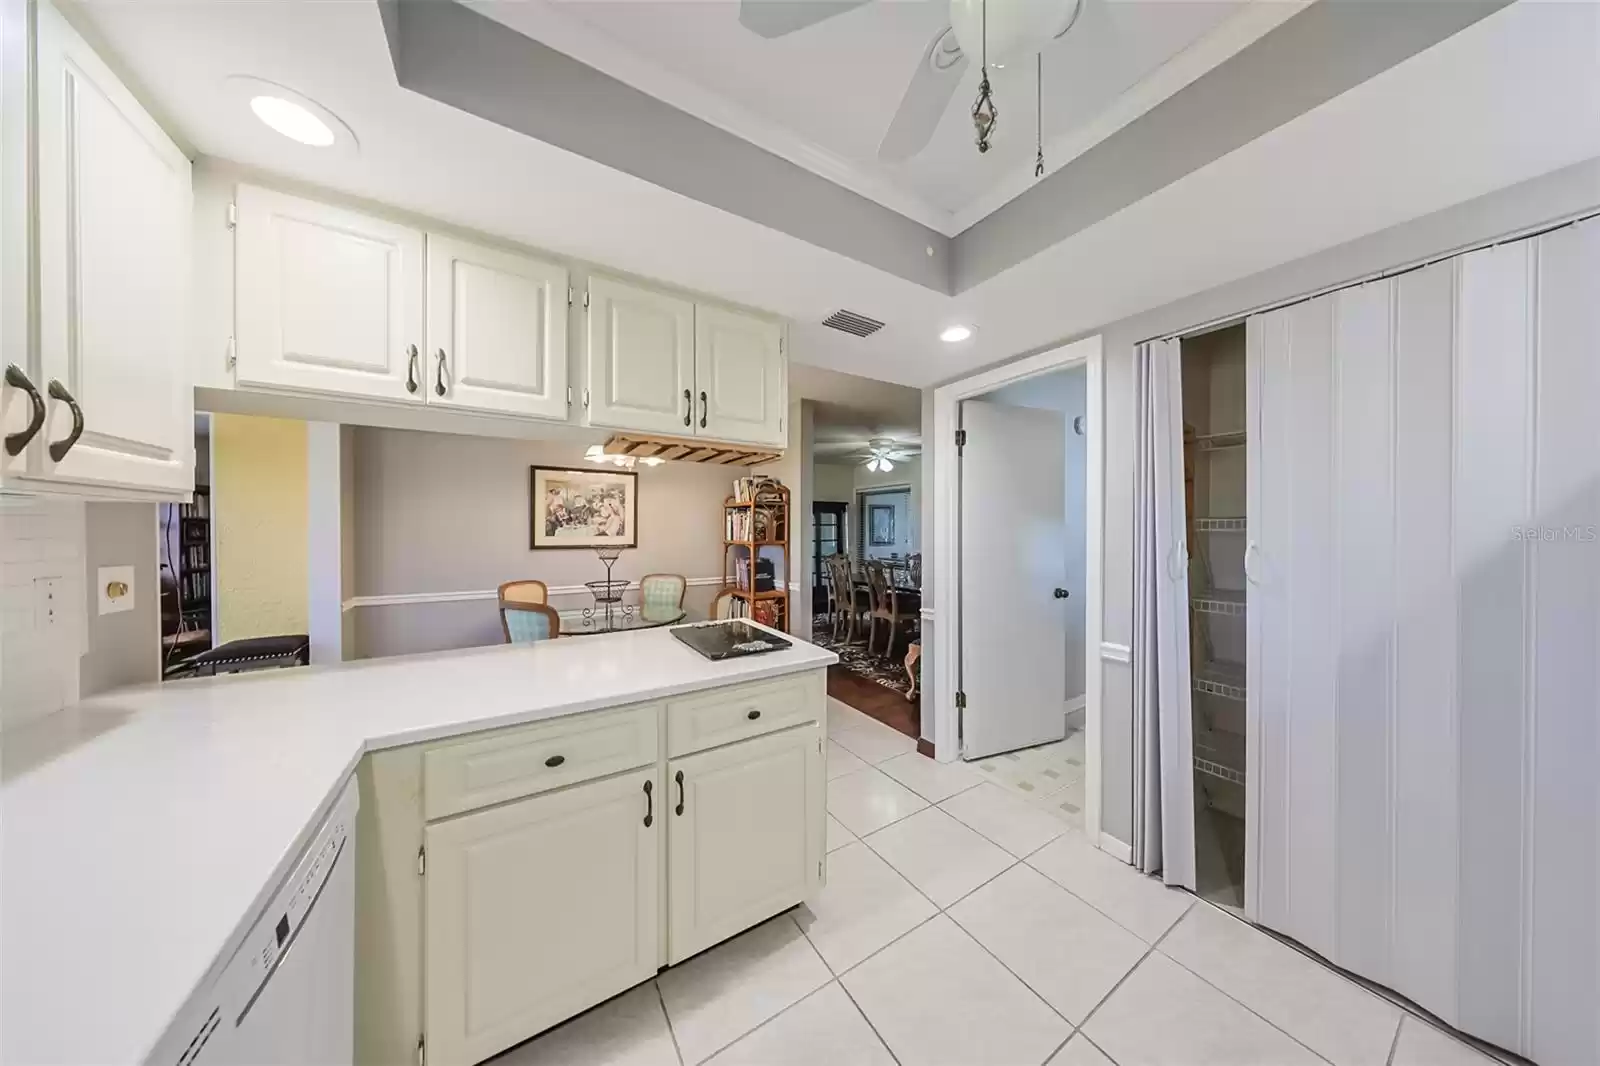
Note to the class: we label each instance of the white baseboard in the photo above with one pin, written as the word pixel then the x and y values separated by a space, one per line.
pixel 1116 848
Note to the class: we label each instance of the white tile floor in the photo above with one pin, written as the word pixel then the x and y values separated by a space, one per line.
pixel 970 925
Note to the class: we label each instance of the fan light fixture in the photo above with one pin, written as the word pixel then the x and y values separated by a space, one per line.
pixel 879 465
pixel 955 334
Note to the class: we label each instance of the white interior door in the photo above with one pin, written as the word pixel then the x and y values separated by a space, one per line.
pixel 739 377
pixel 328 300
pixel 536 910
pixel 1013 558
pixel 641 359
pixel 497 330
pixel 114 228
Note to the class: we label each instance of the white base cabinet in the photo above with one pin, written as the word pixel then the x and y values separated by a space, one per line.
pixel 509 880
pixel 537 910
pixel 742 843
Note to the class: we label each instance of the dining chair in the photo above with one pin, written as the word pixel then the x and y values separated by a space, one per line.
pixel 527 590
pixel 661 595
pixel 722 604
pixel 523 623
pixel 914 569
pixel 854 605
pixel 889 605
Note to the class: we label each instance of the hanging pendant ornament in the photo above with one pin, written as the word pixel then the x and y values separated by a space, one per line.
pixel 1038 160
pixel 984 114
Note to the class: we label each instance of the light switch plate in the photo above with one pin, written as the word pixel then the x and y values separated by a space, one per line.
pixel 115 585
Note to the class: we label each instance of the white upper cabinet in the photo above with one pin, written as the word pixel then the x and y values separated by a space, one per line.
pixel 114 239
pixel 497 331
pixel 641 359
pixel 739 377
pixel 329 300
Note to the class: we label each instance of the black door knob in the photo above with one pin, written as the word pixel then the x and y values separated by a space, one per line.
pixel 1061 594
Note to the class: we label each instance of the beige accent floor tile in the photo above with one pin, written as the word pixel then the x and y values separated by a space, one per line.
pixel 1142 905
pixel 1420 1044
pixel 717 997
pixel 1005 818
pixel 1034 772
pixel 1068 952
pixel 942 857
pixel 842 761
pixel 1080 1052
pixel 938 999
pixel 838 835
pixel 1339 1020
pixel 1066 804
pixel 627 1031
pixel 933 781
pixel 864 906
pixel 873 741
pixel 866 801
pixel 1163 1015
pixel 825 1027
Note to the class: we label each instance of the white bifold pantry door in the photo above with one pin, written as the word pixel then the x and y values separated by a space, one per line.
pixel 1424 698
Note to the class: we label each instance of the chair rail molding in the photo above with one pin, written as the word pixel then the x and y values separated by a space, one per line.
pixel 462 596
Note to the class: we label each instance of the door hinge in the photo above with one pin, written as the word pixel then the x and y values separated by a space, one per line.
pixel 569 295
pixel 961 700
pixel 233 354
pixel 422 861
pixel 586 299
pixel 569 395
pixel 422 1049
pixel 233 216
pixel 961 439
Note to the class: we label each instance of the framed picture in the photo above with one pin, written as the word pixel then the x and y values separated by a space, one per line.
pixel 573 508
pixel 880 524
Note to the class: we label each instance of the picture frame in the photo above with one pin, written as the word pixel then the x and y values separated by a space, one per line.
pixel 573 507
pixel 880 524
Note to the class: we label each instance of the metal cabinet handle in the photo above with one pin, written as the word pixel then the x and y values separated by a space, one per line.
pixel 438 385
pixel 411 369
pixel 60 448
pixel 688 407
pixel 753 715
pixel 555 760
pixel 704 409
pixel 1249 571
pixel 17 441
pixel 678 777
pixel 649 804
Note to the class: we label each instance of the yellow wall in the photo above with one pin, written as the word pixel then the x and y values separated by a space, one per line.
pixel 258 494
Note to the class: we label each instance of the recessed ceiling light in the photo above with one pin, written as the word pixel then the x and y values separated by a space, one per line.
pixel 294 115
pixel 292 120
pixel 955 334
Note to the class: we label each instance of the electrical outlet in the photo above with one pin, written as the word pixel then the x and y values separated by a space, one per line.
pixel 47 604
pixel 115 585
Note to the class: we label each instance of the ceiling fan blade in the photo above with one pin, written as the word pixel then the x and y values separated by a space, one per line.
pixel 774 18
pixel 926 99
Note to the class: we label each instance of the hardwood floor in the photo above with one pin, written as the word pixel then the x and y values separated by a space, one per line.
pixel 880 702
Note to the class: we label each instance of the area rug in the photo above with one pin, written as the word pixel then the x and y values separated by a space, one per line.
pixel 854 657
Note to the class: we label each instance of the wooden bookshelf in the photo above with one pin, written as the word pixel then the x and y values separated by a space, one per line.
pixel 755 527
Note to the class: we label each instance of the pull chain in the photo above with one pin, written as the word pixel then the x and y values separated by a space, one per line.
pixel 1038 160
pixel 984 113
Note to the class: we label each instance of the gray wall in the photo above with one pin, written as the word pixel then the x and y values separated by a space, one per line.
pixel 1549 198
pixel 124 648
pixel 439 513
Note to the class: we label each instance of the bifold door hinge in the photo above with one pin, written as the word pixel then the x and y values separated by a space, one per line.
pixel 961 439
pixel 233 216
pixel 961 700
pixel 422 1049
pixel 422 861
pixel 233 354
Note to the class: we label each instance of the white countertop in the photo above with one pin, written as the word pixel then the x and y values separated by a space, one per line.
pixel 141 833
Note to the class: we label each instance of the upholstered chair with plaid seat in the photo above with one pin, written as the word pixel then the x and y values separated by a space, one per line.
pixel 661 596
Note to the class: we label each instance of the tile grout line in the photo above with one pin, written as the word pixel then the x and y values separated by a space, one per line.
pixel 1245 1006
pixel 1131 970
pixel 1090 1041
pixel 666 1014
pixel 1394 1045
pixel 868 1020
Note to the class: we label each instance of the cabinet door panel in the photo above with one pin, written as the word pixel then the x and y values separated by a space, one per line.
pixel 114 227
pixel 749 840
pixel 499 320
pixel 329 300
pixel 739 373
pixel 641 359
pixel 537 910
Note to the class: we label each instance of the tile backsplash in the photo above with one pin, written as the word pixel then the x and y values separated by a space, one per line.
pixel 42 605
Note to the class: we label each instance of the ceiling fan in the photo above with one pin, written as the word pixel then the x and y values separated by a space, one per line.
pixel 883 453
pixel 1007 30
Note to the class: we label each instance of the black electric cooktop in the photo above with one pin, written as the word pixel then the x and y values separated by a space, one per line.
pixel 728 640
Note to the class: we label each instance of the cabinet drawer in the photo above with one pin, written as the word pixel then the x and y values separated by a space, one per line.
pixel 537 758
pixel 707 719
